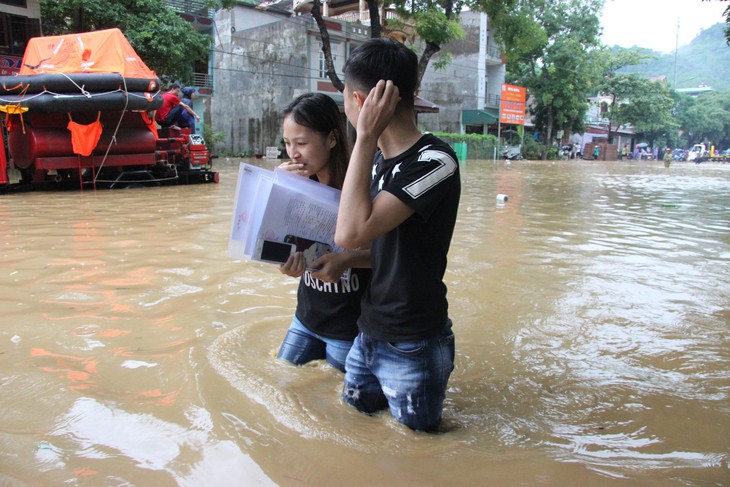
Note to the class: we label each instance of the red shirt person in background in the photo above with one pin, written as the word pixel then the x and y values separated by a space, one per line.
pixel 168 115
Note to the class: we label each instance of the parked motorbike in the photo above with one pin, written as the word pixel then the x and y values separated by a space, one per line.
pixel 512 154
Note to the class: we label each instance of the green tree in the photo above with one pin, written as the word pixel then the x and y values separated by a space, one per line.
pixel 167 43
pixel 651 110
pixel 618 86
pixel 549 45
pixel 689 116
pixel 706 119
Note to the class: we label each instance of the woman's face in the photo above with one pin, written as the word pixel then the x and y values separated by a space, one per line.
pixel 308 147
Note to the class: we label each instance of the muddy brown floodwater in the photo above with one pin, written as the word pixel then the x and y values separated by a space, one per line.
pixel 592 320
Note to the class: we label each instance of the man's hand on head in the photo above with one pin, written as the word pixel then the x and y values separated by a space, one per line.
pixel 378 109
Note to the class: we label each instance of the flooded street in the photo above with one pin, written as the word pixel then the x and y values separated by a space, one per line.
pixel 591 312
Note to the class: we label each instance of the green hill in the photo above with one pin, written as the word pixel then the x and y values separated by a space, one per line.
pixel 705 60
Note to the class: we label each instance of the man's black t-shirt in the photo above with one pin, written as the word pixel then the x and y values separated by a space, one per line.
pixel 331 309
pixel 406 299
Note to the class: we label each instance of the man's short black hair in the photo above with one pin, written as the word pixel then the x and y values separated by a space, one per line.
pixel 383 58
pixel 173 86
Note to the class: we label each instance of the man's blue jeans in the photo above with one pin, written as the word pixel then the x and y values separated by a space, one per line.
pixel 408 377
pixel 302 345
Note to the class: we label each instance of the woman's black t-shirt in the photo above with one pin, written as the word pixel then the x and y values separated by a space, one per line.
pixel 332 309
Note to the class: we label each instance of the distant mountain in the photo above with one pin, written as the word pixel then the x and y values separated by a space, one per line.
pixel 704 60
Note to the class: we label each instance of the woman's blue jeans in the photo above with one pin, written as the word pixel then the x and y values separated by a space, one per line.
pixel 408 377
pixel 301 345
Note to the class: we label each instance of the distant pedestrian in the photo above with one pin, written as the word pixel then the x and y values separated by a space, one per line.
pixel 596 151
pixel 624 151
pixel 667 157
pixel 574 151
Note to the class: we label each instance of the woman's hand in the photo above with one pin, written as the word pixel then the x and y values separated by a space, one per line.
pixel 293 167
pixel 294 265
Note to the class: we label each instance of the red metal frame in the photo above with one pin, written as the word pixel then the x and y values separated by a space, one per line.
pixel 88 162
pixel 41 148
pixel 3 162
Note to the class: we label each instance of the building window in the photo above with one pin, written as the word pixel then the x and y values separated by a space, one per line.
pixel 323 64
pixel 15 32
pixel 16 3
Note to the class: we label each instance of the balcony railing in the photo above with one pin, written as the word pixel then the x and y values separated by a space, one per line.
pixel 363 16
pixel 493 52
pixel 203 80
pixel 492 100
pixel 192 7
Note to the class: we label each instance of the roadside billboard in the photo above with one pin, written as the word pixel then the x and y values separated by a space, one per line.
pixel 512 105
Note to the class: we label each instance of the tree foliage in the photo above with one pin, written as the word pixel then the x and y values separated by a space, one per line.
pixel 549 45
pixel 620 87
pixel 705 119
pixel 435 23
pixel 167 43
pixel 650 109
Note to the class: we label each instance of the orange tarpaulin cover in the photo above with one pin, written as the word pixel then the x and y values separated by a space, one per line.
pixel 102 51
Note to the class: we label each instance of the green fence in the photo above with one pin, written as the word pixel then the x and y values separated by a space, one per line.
pixel 471 149
pixel 461 150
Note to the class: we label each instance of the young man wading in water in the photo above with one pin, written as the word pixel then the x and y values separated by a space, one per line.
pixel 400 197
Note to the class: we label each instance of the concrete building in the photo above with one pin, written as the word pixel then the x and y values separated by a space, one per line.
pixel 696 91
pixel 596 131
pixel 468 91
pixel 266 56
pixel 263 59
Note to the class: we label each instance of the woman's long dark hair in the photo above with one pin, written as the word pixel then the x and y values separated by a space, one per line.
pixel 320 113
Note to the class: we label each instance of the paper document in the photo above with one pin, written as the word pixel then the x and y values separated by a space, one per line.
pixel 277 213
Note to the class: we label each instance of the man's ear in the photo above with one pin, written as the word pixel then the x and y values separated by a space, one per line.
pixel 359 98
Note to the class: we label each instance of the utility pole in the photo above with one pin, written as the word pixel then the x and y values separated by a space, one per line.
pixel 482 60
pixel 676 49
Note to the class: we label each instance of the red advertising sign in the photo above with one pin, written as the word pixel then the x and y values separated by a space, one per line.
pixel 10 65
pixel 512 105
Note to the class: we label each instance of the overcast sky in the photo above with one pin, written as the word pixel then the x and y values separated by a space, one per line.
pixel 653 23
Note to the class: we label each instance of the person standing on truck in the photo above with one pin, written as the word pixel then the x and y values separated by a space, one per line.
pixel 186 118
pixel 168 115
